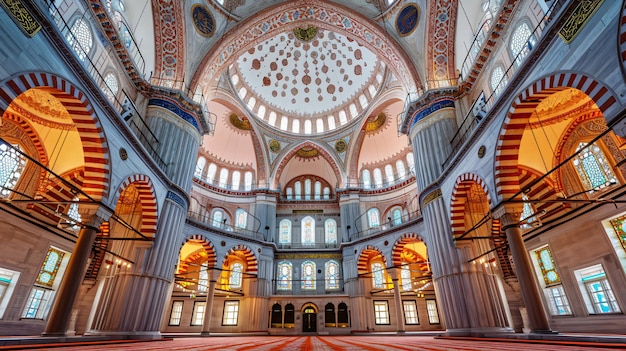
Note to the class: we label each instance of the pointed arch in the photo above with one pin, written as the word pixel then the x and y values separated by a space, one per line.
pixel 366 254
pixel 148 200
pixel 280 167
pixel 398 247
pixel 95 145
pixel 460 193
pixel 206 244
pixel 247 255
pixel 509 140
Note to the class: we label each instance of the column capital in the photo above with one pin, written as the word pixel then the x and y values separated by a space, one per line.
pixel 93 215
pixel 508 213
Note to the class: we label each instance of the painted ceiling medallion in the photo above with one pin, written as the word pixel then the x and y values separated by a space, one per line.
pixel 305 34
pixel 340 146
pixel 407 20
pixel 376 123
pixel 308 152
pixel 203 20
pixel 238 122
pixel 274 146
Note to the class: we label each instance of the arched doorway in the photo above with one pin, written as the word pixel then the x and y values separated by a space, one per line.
pixel 309 318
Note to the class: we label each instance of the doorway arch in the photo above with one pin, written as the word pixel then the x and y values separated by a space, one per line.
pixel 309 317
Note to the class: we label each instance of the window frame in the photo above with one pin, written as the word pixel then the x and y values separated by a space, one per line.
pixel 196 314
pixel 230 315
pixel 381 315
pixel 174 310
pixel 413 304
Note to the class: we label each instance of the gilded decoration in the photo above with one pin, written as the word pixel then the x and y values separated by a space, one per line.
pixel 340 146
pixel 432 196
pixel 203 20
pixel 308 152
pixel 305 34
pixel 376 123
pixel 291 256
pixel 582 14
pixel 274 146
pixel 240 123
pixel 407 20
pixel 20 15
pixel 42 108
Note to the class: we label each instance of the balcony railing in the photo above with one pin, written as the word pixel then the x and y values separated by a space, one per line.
pixel 308 246
pixel 317 287
pixel 360 232
pixel 205 218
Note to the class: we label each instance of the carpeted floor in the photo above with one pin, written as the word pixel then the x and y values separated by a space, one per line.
pixel 325 343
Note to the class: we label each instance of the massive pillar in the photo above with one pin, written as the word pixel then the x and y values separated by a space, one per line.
pixel 210 295
pixel 265 210
pixel 349 210
pixel 537 319
pixel 132 301
pixel 397 299
pixel 61 313
pixel 469 298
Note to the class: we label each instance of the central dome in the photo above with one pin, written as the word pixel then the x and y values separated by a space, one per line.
pixel 307 74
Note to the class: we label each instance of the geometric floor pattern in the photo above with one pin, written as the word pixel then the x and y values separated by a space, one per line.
pixel 322 343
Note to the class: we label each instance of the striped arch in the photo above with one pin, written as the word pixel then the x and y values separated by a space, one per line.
pixel 621 39
pixel 459 197
pixel 31 133
pixel 398 247
pixel 544 189
pixel 366 255
pixel 245 253
pixel 95 146
pixel 506 172
pixel 147 197
pixel 207 248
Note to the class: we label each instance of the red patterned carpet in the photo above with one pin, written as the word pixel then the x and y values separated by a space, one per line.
pixel 330 343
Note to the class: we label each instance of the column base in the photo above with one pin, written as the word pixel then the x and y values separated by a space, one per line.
pixel 54 334
pixel 401 332
pixel 479 332
pixel 143 335
pixel 544 332
pixel 205 333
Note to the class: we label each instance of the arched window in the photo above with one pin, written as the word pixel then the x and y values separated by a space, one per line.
pixel 308 231
pixel 367 182
pixel 372 90
pixel 241 218
pixel 378 178
pixel 210 176
pixel 363 101
pixel 389 174
pixel 378 275
pixel 405 276
pixel 73 213
pixel 252 102
pixel 284 235
pixel 308 275
pixel 236 180
pixel 277 316
pixel 343 119
pixel 272 119
pixel 330 231
pixel 527 214
pixel 331 123
pixel 12 164
pixel 112 87
pixel 329 315
pixel 373 218
pixel 593 168
pixel 199 167
pixel 247 181
pixel 522 41
pixel 284 121
pixel 235 79
pixel 234 282
pixel 307 127
pixel 307 189
pixel 397 216
pixel 223 178
pixel 400 169
pixel 342 315
pixel 295 126
pixel 80 38
pixel 290 316
pixel 317 190
pixel 218 218
pixel 297 187
pixel 242 92
pixel 319 125
pixel 326 193
pixel 261 112
pixel 283 275
pixel 332 275
pixel 289 193
pixel 353 111
pixel 498 80
pixel 410 161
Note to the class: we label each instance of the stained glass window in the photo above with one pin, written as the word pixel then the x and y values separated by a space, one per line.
pixel 331 122
pixel 320 125
pixel 619 225
pixel 199 167
pixel 283 276
pixel 405 277
pixel 295 127
pixel 317 190
pixel 547 266
pixel 593 168
pixel 498 80
pixel 12 164
pixel 297 187
pixel 307 189
pixel 330 227
pixel 378 275
pixel 308 231
pixel 236 180
pixel 373 218
pixel 289 193
pixel 367 182
pixel 397 216
pixel 234 281
pixel 410 161
pixel 389 174
pixel 50 267
pixel 284 236
pixel 80 38
pixel 223 178
pixel 307 127
pixel 522 41
pixel 218 217
pixel 308 275
pixel 326 193
pixel 332 275
pixel 241 218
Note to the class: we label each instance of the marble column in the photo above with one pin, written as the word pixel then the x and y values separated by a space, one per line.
pixel 469 299
pixel 397 299
pixel 537 319
pixel 60 316
pixel 208 310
